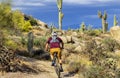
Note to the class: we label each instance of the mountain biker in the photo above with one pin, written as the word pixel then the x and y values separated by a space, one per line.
pixel 56 45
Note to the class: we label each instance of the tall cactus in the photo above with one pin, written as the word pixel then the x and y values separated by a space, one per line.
pixel 30 43
pixel 61 15
pixel 115 21
pixel 104 23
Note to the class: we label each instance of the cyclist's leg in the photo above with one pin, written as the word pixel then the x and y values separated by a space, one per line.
pixel 60 60
pixel 59 55
pixel 52 56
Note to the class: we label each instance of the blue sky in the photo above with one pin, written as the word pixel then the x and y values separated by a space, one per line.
pixel 75 11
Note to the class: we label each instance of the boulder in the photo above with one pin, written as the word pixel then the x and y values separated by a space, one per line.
pixel 69 39
pixel 74 34
pixel 75 39
pixel 115 32
pixel 78 48
pixel 117 52
pixel 64 39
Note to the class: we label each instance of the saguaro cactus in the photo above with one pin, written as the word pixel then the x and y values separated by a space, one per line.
pixel 30 43
pixel 60 17
pixel 104 23
pixel 115 21
pixel 82 27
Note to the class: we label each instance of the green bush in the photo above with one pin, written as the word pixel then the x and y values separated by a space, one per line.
pixel 23 41
pixel 27 26
pixel 40 42
pixel 37 42
pixel 11 44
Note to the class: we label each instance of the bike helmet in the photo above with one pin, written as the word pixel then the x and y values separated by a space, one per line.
pixel 54 33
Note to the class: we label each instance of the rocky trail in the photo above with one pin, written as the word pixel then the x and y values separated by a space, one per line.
pixel 46 70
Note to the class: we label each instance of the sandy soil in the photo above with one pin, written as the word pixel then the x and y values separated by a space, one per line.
pixel 47 71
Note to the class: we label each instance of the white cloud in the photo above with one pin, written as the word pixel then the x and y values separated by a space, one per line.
pixel 84 2
pixel 79 2
pixel 42 3
pixel 18 8
pixel 27 3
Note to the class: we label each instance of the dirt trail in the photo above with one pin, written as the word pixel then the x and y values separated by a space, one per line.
pixel 47 70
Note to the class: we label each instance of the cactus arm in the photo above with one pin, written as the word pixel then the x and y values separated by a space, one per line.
pixel 105 15
pixel 99 14
pixel 103 18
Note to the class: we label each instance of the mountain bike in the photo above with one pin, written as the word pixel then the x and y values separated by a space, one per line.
pixel 56 64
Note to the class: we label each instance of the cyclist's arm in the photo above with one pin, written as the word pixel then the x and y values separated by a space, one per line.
pixel 62 45
pixel 47 44
pixel 46 47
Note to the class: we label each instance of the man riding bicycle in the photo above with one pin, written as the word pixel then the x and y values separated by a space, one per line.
pixel 56 44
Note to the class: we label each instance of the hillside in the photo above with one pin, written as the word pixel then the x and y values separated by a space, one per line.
pixel 88 53
pixel 83 53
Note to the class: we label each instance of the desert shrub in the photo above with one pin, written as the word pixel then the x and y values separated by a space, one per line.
pixel 93 32
pixel 104 70
pixel 6 14
pixel 23 41
pixel 11 44
pixel 104 66
pixel 33 21
pixel 37 42
pixel 94 72
pixel 110 44
pixel 96 52
pixel 40 42
pixel 2 38
pixel 27 26
pixel 117 73
pixel 74 67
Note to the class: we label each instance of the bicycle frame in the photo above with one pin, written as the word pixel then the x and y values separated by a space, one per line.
pixel 56 65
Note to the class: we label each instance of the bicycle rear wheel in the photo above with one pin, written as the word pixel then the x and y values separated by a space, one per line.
pixel 57 66
pixel 57 70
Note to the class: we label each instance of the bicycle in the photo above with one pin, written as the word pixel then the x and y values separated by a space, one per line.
pixel 56 64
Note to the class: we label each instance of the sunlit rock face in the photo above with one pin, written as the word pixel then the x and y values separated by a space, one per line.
pixel 115 32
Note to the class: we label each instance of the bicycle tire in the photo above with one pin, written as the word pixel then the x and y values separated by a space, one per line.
pixel 56 66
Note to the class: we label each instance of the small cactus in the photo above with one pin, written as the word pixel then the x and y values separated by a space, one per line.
pixel 30 43
pixel 104 23
pixel 115 21
pixel 82 27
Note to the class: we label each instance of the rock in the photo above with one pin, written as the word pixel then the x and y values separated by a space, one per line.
pixel 40 23
pixel 64 39
pixel 74 34
pixel 75 39
pixel 117 52
pixel 69 39
pixel 60 32
pixel 78 48
pixel 115 32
